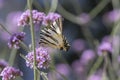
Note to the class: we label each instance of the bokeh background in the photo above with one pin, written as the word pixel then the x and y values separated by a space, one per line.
pixel 86 24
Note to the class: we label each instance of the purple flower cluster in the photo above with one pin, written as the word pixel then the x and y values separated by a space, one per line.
pixel 42 58
pixel 15 39
pixel 25 17
pixel 38 18
pixel 50 18
pixel 9 73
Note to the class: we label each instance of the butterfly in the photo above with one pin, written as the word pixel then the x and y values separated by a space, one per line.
pixel 52 36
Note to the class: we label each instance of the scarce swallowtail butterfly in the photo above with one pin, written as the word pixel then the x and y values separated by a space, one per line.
pixel 52 36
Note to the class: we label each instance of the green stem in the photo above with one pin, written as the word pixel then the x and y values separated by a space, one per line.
pixel 115 33
pixel 24 46
pixel 105 66
pixel 53 5
pixel 98 8
pixel 46 5
pixel 33 37
pixel 96 65
pixel 3 27
pixel 110 69
pixel 76 6
pixel 37 5
pixel 38 75
pixel 75 19
pixel 12 56
pixel 44 76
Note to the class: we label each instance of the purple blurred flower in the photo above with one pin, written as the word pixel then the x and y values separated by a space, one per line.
pixel 42 58
pixel 78 45
pixel 78 67
pixel 11 23
pixel 98 75
pixel 37 17
pixel 84 18
pixel 4 35
pixel 95 77
pixel 113 16
pixel 2 3
pixel 63 69
pixel 104 47
pixel 15 40
pixel 118 59
pixel 50 18
pixel 3 64
pixel 107 39
pixel 12 20
pixel 9 73
pixel 87 56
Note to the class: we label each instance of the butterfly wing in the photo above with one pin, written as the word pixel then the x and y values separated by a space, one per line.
pixel 53 37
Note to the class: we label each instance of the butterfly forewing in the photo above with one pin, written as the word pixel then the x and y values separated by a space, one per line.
pixel 53 37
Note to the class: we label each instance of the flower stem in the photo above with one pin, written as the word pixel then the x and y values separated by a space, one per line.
pixel 96 65
pixel 33 38
pixel 12 56
pixel 53 5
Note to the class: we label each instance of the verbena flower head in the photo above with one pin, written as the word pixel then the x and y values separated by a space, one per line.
pixel 15 39
pixel 50 18
pixel 25 17
pixel 9 73
pixel 105 47
pixel 42 58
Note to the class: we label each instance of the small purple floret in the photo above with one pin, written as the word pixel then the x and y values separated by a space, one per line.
pixel 15 39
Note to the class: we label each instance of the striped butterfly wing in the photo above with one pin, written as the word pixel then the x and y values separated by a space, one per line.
pixel 53 37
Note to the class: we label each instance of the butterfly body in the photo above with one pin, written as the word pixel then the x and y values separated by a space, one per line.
pixel 52 36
